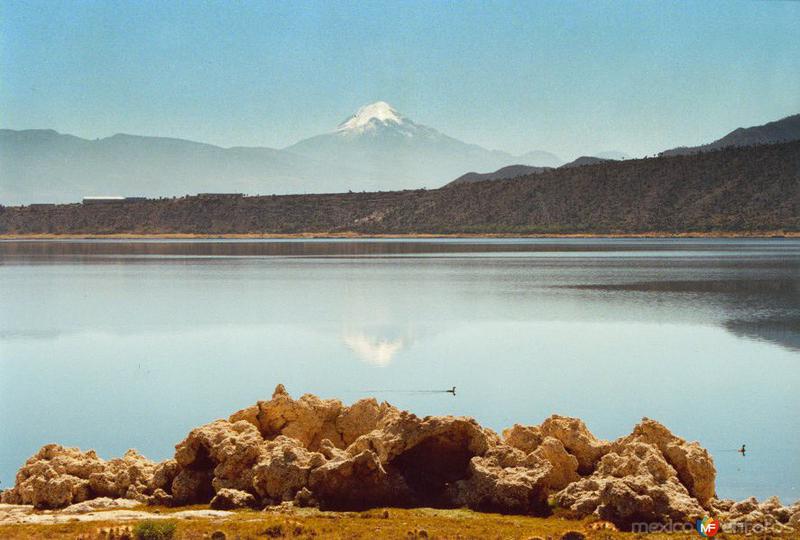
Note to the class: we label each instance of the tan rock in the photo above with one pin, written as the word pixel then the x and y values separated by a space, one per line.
pixel 230 499
pixel 10 497
pixel 635 485
pixel 57 476
pixel 577 439
pixel 773 507
pixel 126 477
pixel 161 497
pixel 308 419
pixel 317 451
pixel 530 439
pixel 100 503
pixel 496 484
pixel 794 521
pixel 163 475
pixel 720 506
pixel 311 419
pixel 564 468
pixel 228 450
pixel 357 482
pixel 525 438
pixel 360 418
pixel 436 438
pixel 744 507
pixel 693 463
pixel 283 469
pixel 192 486
pixel 771 513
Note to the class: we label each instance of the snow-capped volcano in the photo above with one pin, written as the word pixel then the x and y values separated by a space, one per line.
pixel 371 115
pixel 393 152
pixel 376 149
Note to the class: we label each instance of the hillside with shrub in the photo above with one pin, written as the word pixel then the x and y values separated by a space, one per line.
pixel 747 189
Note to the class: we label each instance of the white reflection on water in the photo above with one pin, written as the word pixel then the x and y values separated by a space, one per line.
pixel 373 350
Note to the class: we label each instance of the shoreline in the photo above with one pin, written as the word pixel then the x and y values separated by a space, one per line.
pixel 412 236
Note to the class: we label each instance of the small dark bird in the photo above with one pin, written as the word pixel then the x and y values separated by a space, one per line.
pixel 742 450
pixel 451 391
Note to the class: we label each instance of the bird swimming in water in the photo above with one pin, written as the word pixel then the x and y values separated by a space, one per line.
pixel 742 451
pixel 451 391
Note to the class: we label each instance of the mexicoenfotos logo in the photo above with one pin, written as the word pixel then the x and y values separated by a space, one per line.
pixel 708 527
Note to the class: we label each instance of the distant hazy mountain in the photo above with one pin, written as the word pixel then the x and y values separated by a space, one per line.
pixel 375 149
pixel 396 152
pixel 512 171
pixel 612 154
pixel 584 160
pixel 540 158
pixel 752 189
pixel 784 130
pixel 46 166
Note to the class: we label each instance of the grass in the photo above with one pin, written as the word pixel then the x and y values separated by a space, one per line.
pixel 155 530
pixel 379 523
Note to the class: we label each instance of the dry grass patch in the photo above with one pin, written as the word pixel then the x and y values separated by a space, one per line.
pixel 305 523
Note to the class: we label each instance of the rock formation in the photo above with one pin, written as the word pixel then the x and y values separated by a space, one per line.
pixel 312 451
pixel 751 517
pixel 57 476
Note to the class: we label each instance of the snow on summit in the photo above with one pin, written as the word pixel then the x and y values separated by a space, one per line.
pixel 379 111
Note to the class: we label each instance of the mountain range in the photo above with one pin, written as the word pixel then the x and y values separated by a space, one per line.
pixel 784 130
pixel 375 149
pixel 754 190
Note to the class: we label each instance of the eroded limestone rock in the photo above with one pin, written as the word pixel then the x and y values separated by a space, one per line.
pixel 633 484
pixel 750 516
pixel 505 480
pixel 693 463
pixel 57 476
pixel 284 468
pixel 230 499
pixel 321 452
pixel 100 503
pixel 227 450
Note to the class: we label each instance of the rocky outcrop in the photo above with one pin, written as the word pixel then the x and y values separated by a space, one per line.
pixel 750 516
pixel 283 469
pixel 127 477
pixel 310 419
pixel 218 455
pixel 505 480
pixel 230 499
pixel 692 463
pixel 312 451
pixel 635 484
pixel 100 503
pixel 57 476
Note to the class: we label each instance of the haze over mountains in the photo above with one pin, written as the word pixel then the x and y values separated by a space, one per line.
pixel 752 190
pixel 784 130
pixel 375 149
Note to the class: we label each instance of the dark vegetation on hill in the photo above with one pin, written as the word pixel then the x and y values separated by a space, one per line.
pixel 512 171
pixel 583 161
pixel 734 189
pixel 783 130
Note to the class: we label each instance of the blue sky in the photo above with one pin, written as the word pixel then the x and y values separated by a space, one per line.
pixel 568 77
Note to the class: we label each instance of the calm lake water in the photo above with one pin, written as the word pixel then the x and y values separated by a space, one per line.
pixel 118 344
